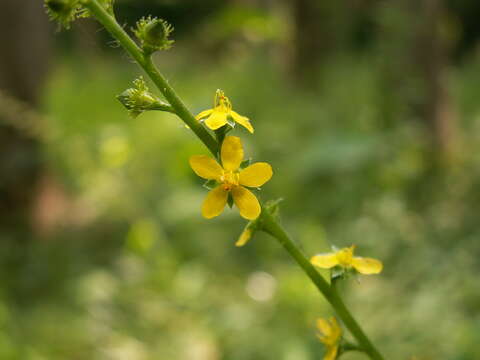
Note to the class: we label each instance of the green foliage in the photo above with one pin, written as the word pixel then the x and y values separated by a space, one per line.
pixel 143 276
pixel 159 287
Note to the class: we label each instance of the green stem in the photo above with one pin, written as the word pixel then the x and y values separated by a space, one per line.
pixel 272 227
pixel 162 107
pixel 269 224
pixel 146 63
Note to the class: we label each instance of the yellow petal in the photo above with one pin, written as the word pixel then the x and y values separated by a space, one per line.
pixel 367 265
pixel 206 167
pixel 336 329
pixel 216 120
pixel 214 202
pixel 231 153
pixel 324 327
pixel 204 114
pixel 242 120
pixel 244 237
pixel 325 261
pixel 331 353
pixel 246 202
pixel 256 174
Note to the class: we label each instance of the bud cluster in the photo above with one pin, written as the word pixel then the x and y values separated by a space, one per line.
pixel 153 34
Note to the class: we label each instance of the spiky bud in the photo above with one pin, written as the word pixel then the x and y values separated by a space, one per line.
pixel 63 11
pixel 153 34
pixel 139 99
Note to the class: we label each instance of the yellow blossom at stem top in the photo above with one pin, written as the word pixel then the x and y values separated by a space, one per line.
pixel 222 109
pixel 330 335
pixel 231 180
pixel 345 259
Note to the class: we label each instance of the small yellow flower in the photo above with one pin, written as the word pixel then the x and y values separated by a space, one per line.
pixel 345 259
pixel 222 109
pixel 231 180
pixel 330 335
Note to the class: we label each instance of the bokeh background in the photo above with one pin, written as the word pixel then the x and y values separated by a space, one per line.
pixel 368 111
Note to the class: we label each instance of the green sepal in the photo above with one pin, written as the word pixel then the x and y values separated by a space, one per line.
pixel 231 123
pixel 220 133
pixel 230 200
pixel 273 207
pixel 337 273
pixel 210 184
pixel 245 163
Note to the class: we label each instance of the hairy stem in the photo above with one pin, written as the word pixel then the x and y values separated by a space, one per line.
pixel 147 65
pixel 269 224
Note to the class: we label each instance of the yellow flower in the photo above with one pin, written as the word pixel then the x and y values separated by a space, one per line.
pixel 231 180
pixel 222 109
pixel 345 259
pixel 330 335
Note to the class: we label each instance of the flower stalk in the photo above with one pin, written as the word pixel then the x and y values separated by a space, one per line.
pixel 271 226
pixel 267 221
pixel 146 63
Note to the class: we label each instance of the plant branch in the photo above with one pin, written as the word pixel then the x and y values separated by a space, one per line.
pixel 268 223
pixel 110 23
pixel 272 227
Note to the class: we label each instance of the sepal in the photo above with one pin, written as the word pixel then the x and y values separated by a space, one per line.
pixel 210 184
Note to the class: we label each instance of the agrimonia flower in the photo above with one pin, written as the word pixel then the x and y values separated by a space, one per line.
pixel 222 110
pixel 344 258
pixel 231 180
pixel 330 335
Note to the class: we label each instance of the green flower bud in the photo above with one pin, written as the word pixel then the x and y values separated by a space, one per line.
pixel 63 11
pixel 139 99
pixel 153 34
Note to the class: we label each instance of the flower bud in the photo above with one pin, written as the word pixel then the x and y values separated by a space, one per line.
pixel 153 34
pixel 63 11
pixel 139 99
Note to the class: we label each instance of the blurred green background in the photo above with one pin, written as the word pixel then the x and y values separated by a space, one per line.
pixel 367 110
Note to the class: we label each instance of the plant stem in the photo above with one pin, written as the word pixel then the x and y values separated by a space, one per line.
pixel 269 224
pixel 111 24
pixel 272 227
pixel 162 107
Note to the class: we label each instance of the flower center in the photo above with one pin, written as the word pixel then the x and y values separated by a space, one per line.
pixel 229 180
pixel 345 257
pixel 222 103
